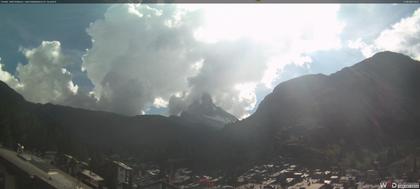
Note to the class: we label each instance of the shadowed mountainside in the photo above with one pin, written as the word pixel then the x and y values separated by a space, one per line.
pixel 372 106
pixel 361 111
pixel 205 112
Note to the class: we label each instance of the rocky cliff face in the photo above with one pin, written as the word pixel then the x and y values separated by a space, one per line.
pixel 205 112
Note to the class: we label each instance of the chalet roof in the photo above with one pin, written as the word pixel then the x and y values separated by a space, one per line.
pixel 91 175
pixel 124 166
pixel 35 167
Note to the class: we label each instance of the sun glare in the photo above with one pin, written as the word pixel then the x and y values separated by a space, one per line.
pixel 287 31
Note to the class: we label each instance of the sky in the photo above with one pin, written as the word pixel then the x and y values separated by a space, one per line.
pixel 137 59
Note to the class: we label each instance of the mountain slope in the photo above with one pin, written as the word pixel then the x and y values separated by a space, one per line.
pixel 85 133
pixel 372 106
pixel 205 112
pixel 367 108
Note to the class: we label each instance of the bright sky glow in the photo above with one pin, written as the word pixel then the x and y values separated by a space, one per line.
pixel 285 31
pixel 138 57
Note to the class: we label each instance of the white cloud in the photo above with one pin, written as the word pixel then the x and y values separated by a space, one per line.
pixel 227 65
pixel 44 78
pixel 144 54
pixel 402 37
pixel 247 94
pixel 365 49
pixel 8 78
pixel 268 23
pixel 136 56
pixel 72 87
pixel 166 56
pixel 282 30
pixel 160 103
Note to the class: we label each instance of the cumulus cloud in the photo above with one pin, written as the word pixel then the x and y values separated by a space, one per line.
pixel 227 65
pixel 8 78
pixel 140 53
pixel 365 49
pixel 285 34
pixel 167 55
pixel 44 78
pixel 229 73
pixel 160 103
pixel 402 37
pixel 143 55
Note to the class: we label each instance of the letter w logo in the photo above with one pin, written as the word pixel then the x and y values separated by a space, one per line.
pixel 383 184
pixel 387 184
